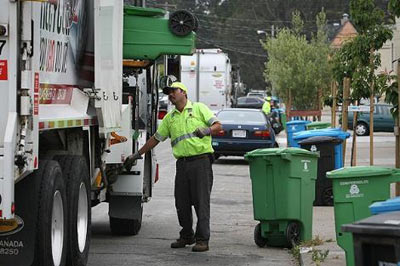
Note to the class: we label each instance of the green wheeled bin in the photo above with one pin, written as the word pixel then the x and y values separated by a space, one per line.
pixel 283 186
pixel 354 189
pixel 318 125
pixel 148 34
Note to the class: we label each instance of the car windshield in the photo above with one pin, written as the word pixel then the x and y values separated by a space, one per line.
pixel 256 95
pixel 241 117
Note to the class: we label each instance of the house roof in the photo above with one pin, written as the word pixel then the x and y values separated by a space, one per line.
pixel 344 33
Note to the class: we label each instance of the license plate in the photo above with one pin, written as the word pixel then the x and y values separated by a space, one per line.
pixel 239 133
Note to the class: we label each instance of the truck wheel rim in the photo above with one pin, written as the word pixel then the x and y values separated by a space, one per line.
pixel 82 219
pixel 57 228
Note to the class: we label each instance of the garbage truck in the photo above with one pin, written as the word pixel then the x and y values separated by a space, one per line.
pixel 78 95
pixel 208 75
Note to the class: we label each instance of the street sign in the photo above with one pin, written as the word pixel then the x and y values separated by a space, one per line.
pixel 360 108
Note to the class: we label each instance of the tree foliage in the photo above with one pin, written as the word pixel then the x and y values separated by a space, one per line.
pixel 358 59
pixel 298 65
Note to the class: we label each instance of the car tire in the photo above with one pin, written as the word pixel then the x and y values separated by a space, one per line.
pixel 361 129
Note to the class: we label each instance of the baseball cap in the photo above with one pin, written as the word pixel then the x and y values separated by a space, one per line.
pixel 174 86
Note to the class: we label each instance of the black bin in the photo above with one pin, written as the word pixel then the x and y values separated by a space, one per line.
pixel 376 240
pixel 326 162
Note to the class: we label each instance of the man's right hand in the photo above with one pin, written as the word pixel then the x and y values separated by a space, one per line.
pixel 131 160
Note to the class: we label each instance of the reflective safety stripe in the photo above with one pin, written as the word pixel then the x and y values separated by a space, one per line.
pixel 212 121
pixel 186 136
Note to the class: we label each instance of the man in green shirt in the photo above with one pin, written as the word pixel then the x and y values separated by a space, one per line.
pixel 189 126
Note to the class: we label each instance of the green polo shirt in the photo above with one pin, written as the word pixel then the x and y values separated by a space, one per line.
pixel 179 127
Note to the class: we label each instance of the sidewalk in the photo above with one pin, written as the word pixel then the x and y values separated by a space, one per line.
pixel 323 217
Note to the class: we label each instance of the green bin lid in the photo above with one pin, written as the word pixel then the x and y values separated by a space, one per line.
pixel 359 171
pixel 143 11
pixel 280 151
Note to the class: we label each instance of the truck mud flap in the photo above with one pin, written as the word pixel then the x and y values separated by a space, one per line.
pixel 18 247
pixel 125 207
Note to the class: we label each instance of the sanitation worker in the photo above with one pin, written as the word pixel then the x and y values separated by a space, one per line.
pixel 267 105
pixel 189 126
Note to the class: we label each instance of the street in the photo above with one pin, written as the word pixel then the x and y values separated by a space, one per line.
pixel 232 221
pixel 232 224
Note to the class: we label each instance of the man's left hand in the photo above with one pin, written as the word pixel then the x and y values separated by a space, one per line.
pixel 131 160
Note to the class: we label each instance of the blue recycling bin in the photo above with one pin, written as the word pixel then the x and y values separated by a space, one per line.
pixel 389 205
pixel 293 127
pixel 328 132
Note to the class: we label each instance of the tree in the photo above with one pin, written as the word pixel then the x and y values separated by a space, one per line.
pixel 357 58
pixel 297 65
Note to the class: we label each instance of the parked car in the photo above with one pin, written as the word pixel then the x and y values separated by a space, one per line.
pixel 383 120
pixel 256 94
pixel 243 130
pixel 249 102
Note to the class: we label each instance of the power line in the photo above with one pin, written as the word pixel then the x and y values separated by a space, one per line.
pixel 230 49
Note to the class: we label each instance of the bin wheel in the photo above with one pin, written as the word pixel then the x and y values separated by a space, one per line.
pixel 327 197
pixel 258 239
pixel 293 234
pixel 182 23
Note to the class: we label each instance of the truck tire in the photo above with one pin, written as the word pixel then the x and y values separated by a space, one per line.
pixel 76 174
pixel 126 227
pixel 52 234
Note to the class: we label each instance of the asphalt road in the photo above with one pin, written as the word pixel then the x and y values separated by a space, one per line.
pixel 232 225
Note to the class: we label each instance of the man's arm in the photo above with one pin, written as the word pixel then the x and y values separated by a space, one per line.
pixel 150 144
pixel 131 159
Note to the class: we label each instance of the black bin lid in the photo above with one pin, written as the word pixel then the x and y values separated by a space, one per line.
pixel 386 224
pixel 320 140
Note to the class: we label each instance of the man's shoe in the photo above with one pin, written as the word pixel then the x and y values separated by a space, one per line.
pixel 200 246
pixel 181 242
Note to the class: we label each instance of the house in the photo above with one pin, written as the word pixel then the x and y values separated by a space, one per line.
pixel 343 32
pixel 390 52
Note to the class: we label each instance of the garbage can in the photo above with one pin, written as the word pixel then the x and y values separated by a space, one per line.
pixel 282 117
pixel 354 189
pixel 326 162
pixel 318 125
pixel 147 35
pixel 376 240
pixel 389 205
pixel 293 127
pixel 329 132
pixel 283 186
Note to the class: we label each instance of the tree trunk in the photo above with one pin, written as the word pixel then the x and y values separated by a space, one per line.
pixel 346 100
pixel 334 90
pixel 397 127
pixel 371 114
pixel 354 143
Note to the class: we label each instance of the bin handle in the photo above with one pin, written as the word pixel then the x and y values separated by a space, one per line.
pixel 396 175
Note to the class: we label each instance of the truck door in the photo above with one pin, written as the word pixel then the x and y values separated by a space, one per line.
pixel 108 63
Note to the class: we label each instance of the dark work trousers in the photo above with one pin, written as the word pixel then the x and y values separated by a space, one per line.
pixel 193 183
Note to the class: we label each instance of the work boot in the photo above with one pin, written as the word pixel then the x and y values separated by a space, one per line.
pixel 182 242
pixel 200 246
